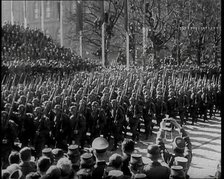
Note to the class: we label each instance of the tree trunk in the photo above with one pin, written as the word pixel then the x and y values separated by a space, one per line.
pixel 199 56
pixel 106 51
pixel 155 54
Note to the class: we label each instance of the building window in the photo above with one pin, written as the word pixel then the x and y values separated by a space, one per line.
pixel 48 10
pixel 36 10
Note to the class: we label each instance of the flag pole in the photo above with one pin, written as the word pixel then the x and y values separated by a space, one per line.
pixel 42 15
pixel 80 26
pixel 12 14
pixel 127 33
pixel 25 18
pixel 80 43
pixel 61 24
pixel 144 30
pixel 103 35
pixel 103 44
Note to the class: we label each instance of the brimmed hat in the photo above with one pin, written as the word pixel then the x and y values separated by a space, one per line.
pixel 47 152
pixel 177 171
pixel 73 150
pixel 116 173
pixel 136 159
pixel 181 161
pixel 153 150
pixel 87 160
pixel 100 144
pixel 140 176
pixel 57 153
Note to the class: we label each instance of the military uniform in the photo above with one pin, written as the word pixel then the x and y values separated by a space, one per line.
pixel 41 126
pixel 60 130
pixel 161 109
pixel 193 108
pixel 181 108
pixel 182 145
pixel 100 146
pixel 9 132
pixel 107 130
pixel 148 113
pixel 117 117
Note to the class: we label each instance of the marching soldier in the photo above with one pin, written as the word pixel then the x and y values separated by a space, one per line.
pixel 81 123
pixel 204 103
pixel 133 115
pixel 193 107
pixel 41 129
pixel 181 106
pixel 171 105
pixel 118 117
pixel 60 128
pixel 9 132
pixel 106 107
pixel 161 108
pixel 148 112
pixel 74 123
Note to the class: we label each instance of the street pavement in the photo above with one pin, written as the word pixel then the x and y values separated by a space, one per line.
pixel 206 146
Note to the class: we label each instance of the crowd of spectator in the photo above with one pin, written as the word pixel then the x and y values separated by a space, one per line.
pixel 30 49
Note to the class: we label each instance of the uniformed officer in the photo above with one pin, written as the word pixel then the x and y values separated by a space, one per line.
pixel 118 118
pixel 133 115
pixel 86 166
pixel 100 146
pixel 154 169
pixel 181 145
pixel 148 113
pixel 41 127
pixel 136 164
pixel 74 156
pixel 61 128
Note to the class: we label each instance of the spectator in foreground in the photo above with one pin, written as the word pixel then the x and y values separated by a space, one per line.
pixel 65 165
pixel 14 158
pixel 136 164
pixel 26 164
pixel 43 165
pixel 128 147
pixel 154 169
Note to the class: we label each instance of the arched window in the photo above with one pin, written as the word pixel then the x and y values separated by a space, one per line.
pixel 48 10
pixel 36 10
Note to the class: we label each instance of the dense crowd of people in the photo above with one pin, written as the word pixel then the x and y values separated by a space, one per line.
pixel 31 50
pixel 59 111
pixel 57 122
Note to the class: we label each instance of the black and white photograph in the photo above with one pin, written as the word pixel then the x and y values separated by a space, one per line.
pixel 111 89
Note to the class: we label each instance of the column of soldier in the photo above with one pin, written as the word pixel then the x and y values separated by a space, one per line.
pixel 55 112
